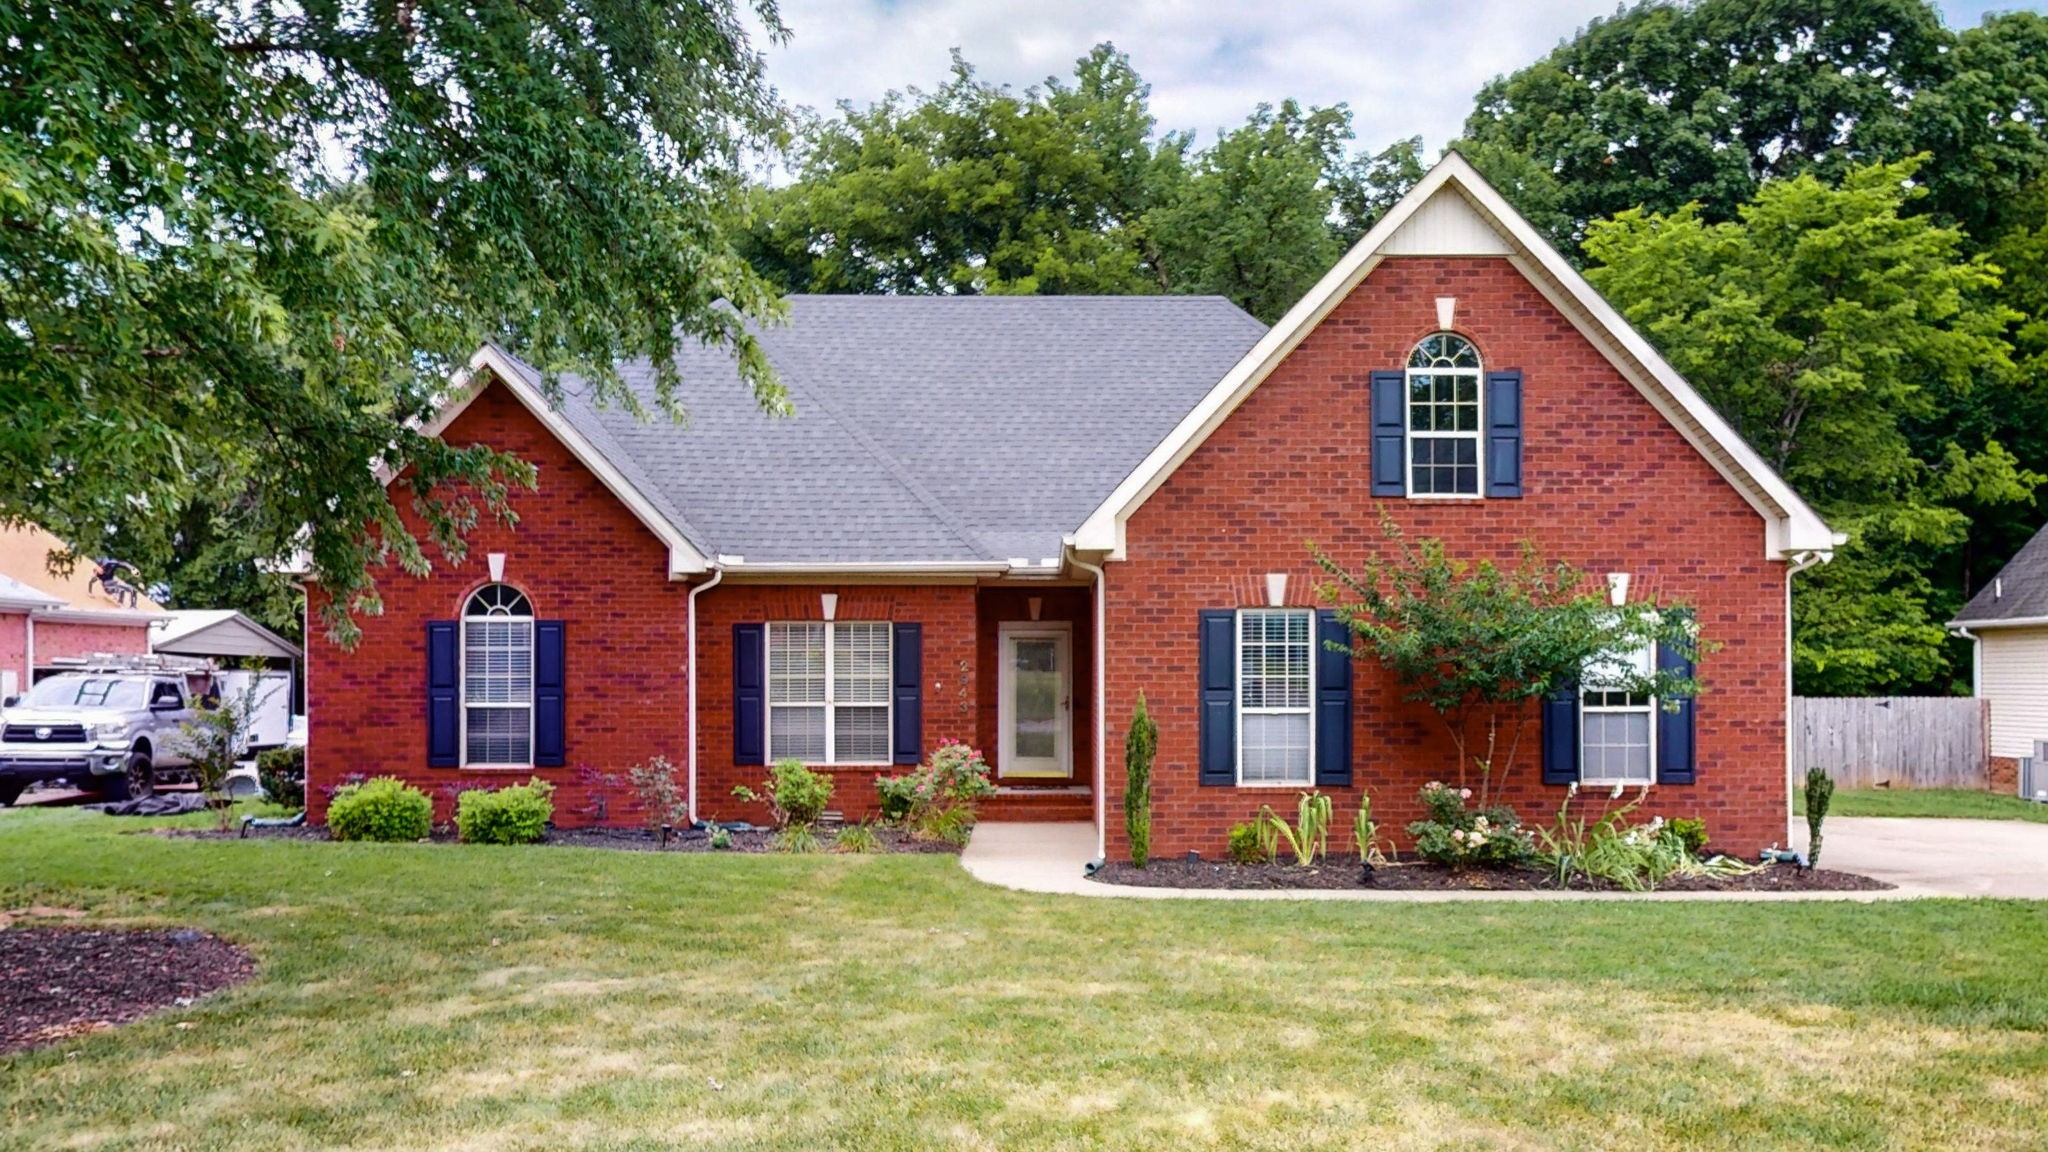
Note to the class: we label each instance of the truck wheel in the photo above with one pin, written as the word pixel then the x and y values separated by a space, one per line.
pixel 11 791
pixel 137 780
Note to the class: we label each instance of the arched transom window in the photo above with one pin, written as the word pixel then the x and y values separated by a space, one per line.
pixel 1443 417
pixel 497 677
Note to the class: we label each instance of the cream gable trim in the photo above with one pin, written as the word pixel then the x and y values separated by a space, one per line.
pixel 1445 215
pixel 469 382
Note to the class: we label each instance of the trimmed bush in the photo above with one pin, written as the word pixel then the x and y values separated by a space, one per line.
pixel 1691 832
pixel 794 794
pixel 1139 745
pixel 282 772
pixel 1248 844
pixel 384 808
pixel 515 815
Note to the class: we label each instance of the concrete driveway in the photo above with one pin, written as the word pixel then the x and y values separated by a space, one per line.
pixel 1940 857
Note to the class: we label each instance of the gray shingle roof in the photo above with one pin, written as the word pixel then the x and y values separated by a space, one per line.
pixel 2020 591
pixel 927 429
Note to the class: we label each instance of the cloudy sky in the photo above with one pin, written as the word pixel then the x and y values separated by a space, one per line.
pixel 1405 67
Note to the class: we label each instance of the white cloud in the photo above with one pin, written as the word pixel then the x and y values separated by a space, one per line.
pixel 1406 67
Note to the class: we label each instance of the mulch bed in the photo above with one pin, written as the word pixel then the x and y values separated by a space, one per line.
pixel 1346 873
pixel 891 840
pixel 56 983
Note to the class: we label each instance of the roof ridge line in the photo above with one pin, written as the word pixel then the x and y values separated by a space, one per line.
pixel 952 520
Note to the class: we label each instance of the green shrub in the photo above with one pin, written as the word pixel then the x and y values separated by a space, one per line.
pixel 794 794
pixel 282 772
pixel 1455 834
pixel 1820 791
pixel 1248 843
pixel 944 791
pixel 899 796
pixel 946 825
pixel 1691 832
pixel 515 815
pixel 858 839
pixel 1139 745
pixel 384 809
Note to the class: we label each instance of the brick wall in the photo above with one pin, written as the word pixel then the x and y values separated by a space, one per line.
pixel 1609 486
pixel 951 680
pixel 580 556
pixel 55 638
pixel 2004 776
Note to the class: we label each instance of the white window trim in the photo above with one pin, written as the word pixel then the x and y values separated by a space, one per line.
pixel 1237 701
pixel 830 705
pixel 1477 435
pixel 462 690
pixel 1649 708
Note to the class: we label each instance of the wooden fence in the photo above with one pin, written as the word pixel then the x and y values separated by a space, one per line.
pixel 1899 741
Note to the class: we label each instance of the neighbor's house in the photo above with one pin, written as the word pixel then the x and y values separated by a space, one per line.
pixel 998 520
pixel 47 620
pixel 2008 622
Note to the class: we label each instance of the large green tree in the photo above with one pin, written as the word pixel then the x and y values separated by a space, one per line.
pixel 1839 334
pixel 1666 104
pixel 242 244
pixel 1067 187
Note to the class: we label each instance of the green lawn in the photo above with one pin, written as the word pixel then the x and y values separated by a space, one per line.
pixel 475 998
pixel 1957 802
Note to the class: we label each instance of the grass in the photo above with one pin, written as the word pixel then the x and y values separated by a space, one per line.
pixel 434 997
pixel 1962 803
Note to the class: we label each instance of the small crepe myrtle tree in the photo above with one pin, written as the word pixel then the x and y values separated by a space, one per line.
pixel 1477 642
pixel 1140 743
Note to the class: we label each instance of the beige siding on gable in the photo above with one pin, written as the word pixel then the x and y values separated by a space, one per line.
pixel 2013 675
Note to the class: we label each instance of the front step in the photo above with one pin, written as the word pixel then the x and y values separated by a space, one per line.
pixel 1038 805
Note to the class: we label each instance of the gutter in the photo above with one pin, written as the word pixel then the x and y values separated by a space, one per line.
pixel 1101 705
pixel 1794 564
pixel 717 574
pixel 1962 627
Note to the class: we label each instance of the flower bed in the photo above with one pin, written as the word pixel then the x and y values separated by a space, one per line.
pixel 65 982
pixel 887 839
pixel 1346 873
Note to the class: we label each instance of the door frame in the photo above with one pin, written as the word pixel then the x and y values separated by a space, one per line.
pixel 1006 681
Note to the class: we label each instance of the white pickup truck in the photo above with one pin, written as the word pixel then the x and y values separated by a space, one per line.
pixel 113 731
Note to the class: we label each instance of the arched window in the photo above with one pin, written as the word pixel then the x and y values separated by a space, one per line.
pixel 1443 417
pixel 497 677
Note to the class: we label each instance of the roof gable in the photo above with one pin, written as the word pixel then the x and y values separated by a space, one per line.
pixel 1454 212
pixel 2017 596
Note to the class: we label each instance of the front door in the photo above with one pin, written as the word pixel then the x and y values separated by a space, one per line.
pixel 1035 713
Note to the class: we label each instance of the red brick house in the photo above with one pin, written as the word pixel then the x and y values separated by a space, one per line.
pixel 998 520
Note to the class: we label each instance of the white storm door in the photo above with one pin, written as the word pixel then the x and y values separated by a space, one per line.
pixel 1035 712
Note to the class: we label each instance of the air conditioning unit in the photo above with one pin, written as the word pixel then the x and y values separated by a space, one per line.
pixel 2034 774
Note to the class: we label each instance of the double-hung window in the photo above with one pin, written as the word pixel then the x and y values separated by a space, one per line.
pixel 1617 727
pixel 1443 417
pixel 828 692
pixel 497 678
pixel 1275 696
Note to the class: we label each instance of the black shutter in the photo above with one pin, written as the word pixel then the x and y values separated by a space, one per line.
pixel 550 731
pixel 444 710
pixel 1675 752
pixel 749 694
pixel 1389 434
pixel 907 741
pixel 1218 727
pixel 1561 735
pixel 1333 701
pixel 1504 434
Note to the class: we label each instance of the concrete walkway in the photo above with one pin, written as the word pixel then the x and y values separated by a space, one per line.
pixel 1923 857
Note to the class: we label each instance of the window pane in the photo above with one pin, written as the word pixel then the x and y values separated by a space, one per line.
pixel 497 661
pixel 1035 699
pixel 1275 749
pixel 797 733
pixel 860 663
pixel 500 736
pixel 796 664
pixel 1273 654
pixel 1616 746
pixel 860 735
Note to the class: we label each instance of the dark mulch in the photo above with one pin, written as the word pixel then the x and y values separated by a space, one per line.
pixel 61 982
pixel 1346 873
pixel 892 840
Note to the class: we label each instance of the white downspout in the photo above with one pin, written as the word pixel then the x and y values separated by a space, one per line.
pixel 28 645
pixel 1101 711
pixel 1800 562
pixel 717 574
